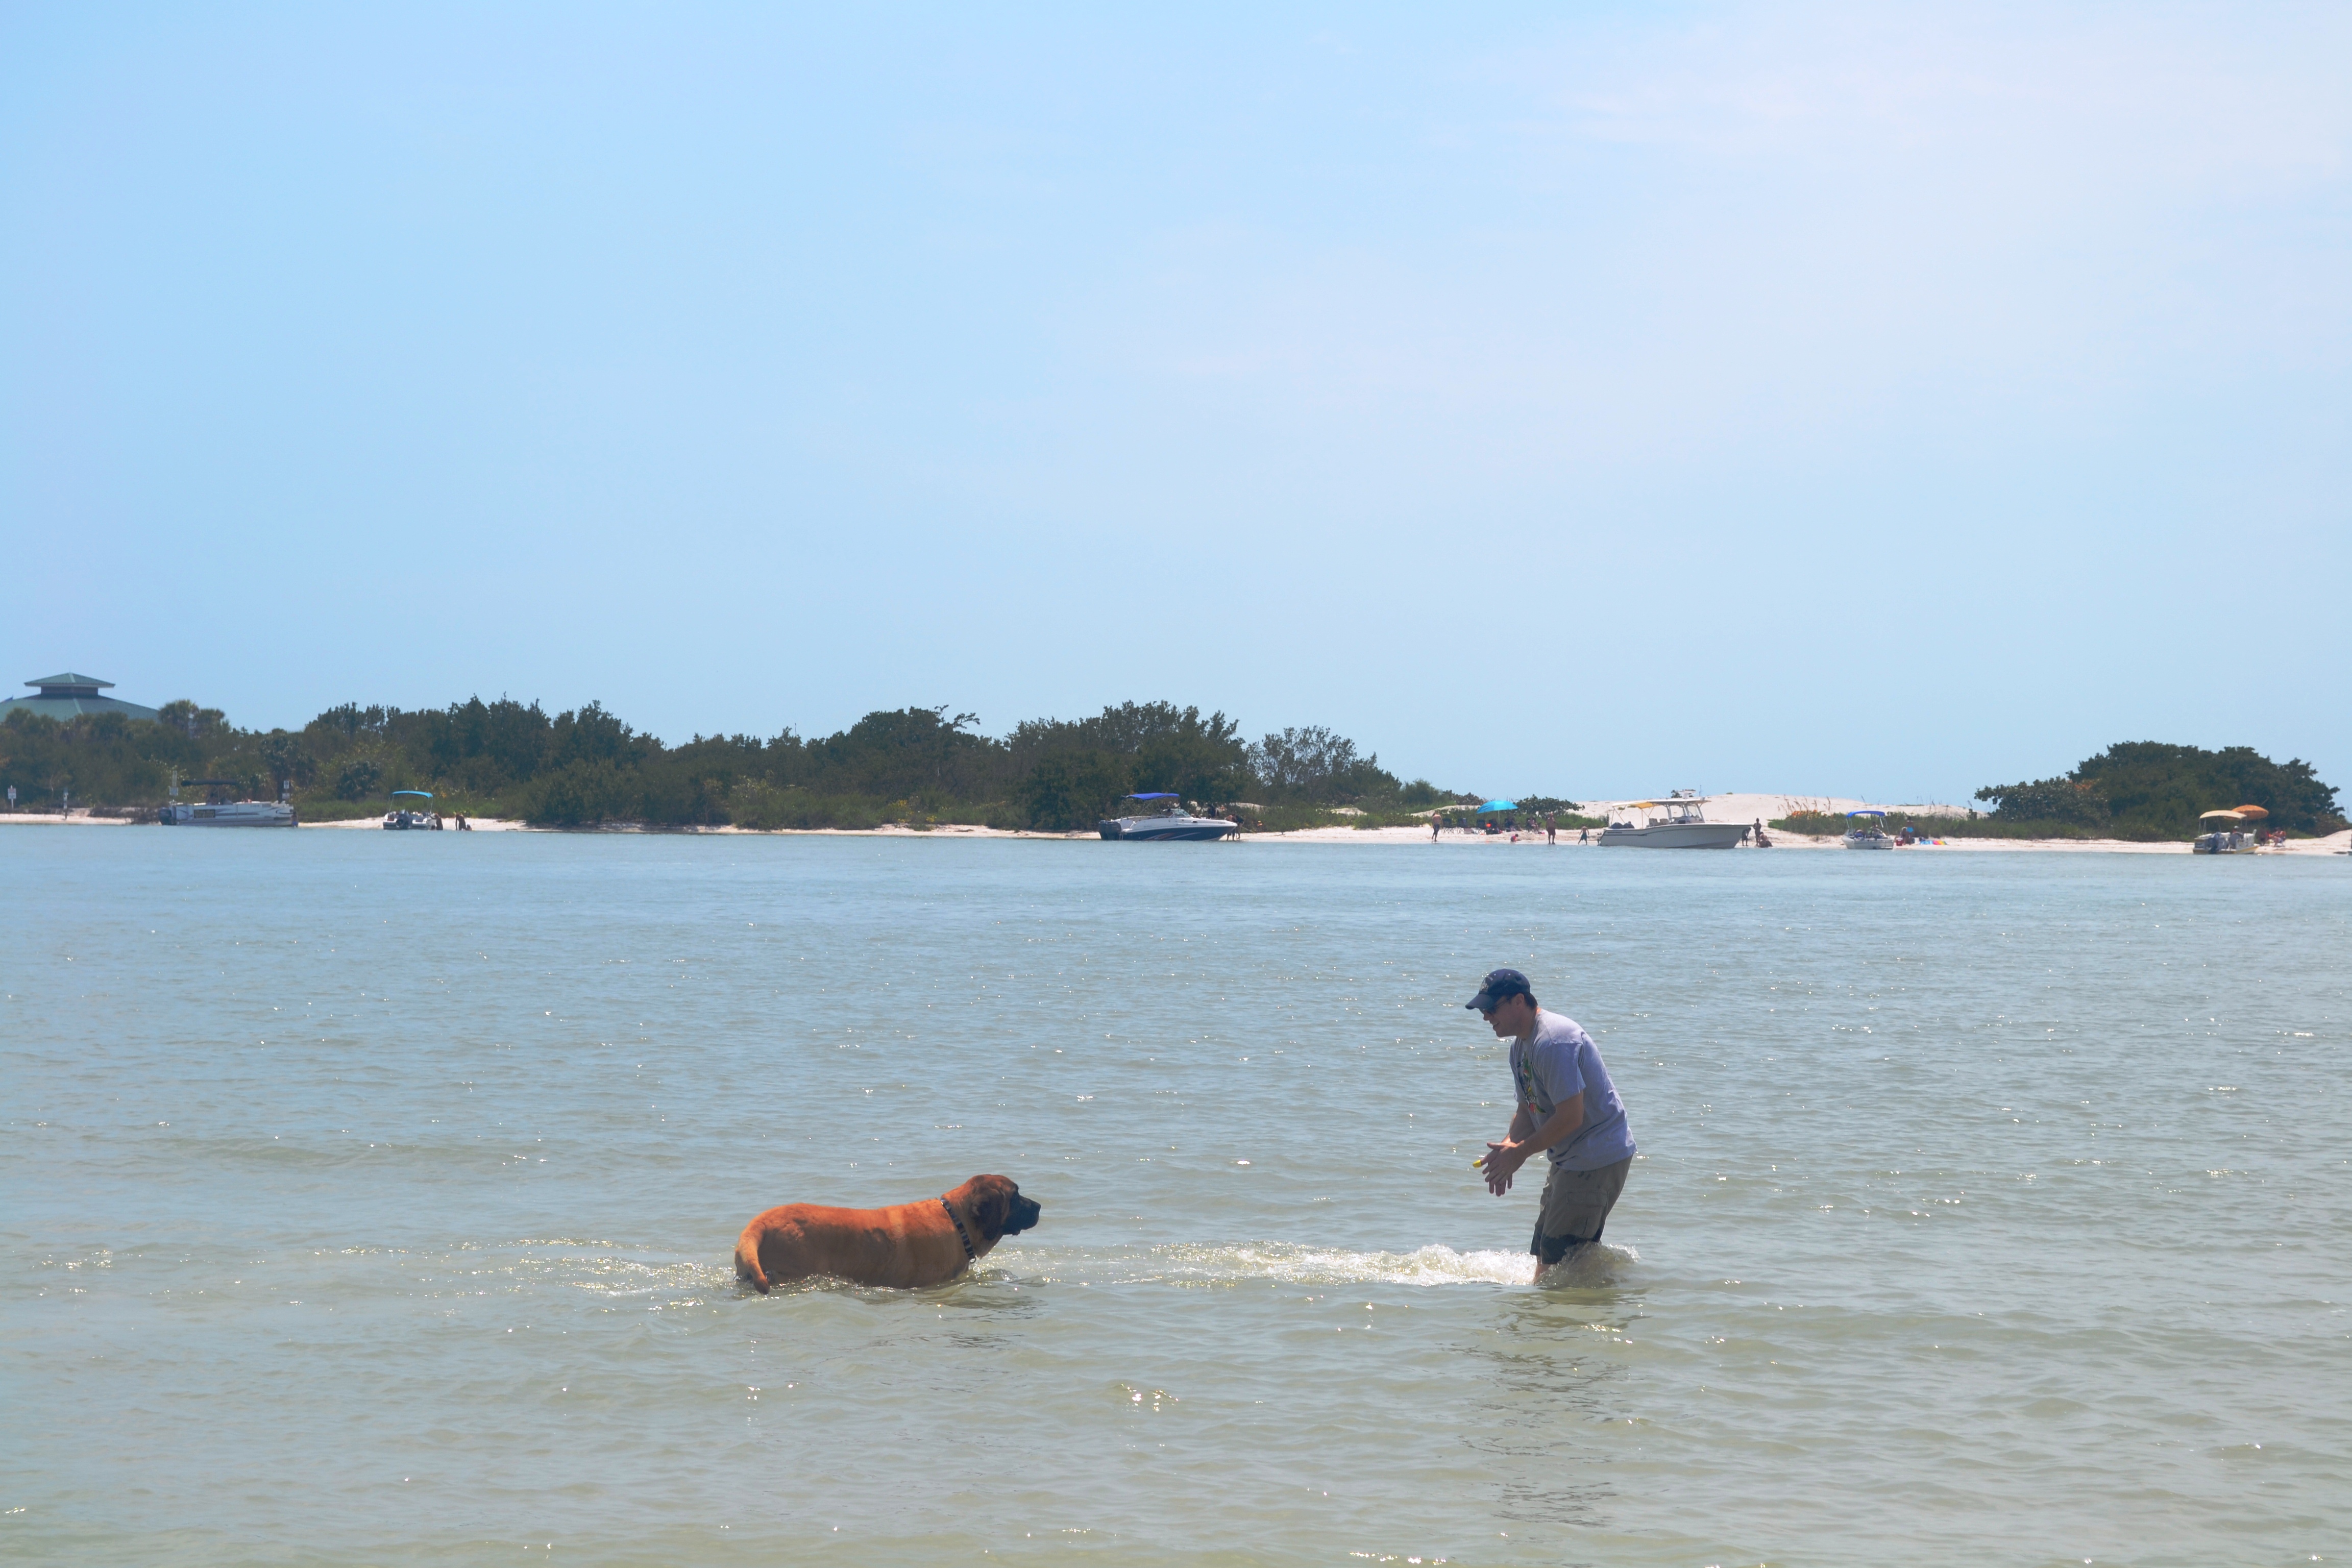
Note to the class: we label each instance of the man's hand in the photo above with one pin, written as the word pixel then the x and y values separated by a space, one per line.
pixel 1503 1162
pixel 1526 1140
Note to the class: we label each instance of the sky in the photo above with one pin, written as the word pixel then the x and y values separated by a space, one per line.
pixel 1846 400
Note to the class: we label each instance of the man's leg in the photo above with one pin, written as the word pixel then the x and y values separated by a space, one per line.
pixel 1575 1211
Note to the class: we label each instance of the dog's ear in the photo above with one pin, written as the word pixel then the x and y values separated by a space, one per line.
pixel 991 1204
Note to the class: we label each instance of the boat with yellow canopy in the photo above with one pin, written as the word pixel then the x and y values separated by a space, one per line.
pixel 2227 833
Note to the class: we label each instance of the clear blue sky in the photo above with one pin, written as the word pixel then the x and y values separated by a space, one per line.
pixel 1855 400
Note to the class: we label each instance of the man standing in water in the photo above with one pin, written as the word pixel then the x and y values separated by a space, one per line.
pixel 1568 1107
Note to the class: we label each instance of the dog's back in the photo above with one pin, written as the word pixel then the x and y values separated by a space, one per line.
pixel 898 1245
pixel 904 1246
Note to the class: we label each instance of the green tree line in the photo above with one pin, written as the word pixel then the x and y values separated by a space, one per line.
pixel 586 766
pixel 2148 791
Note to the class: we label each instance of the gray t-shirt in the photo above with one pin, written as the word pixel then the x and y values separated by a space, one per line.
pixel 1556 1063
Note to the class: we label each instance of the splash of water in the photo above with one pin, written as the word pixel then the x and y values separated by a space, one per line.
pixel 1202 1263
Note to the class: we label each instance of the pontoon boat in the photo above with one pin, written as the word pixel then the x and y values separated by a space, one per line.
pixel 2227 834
pixel 224 813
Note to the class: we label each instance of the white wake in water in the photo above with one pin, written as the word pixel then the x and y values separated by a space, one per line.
pixel 1198 1263
pixel 626 1274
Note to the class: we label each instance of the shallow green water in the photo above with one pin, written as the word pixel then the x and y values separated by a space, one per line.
pixel 369 1197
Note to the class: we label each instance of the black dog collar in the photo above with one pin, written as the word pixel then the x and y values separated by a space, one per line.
pixel 962 1235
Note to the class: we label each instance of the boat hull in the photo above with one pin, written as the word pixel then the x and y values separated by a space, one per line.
pixel 2225 844
pixel 1677 835
pixel 1868 841
pixel 1165 829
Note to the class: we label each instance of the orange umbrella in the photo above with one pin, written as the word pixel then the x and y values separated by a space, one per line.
pixel 2253 811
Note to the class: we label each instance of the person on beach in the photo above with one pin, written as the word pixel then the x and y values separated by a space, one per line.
pixel 1568 1108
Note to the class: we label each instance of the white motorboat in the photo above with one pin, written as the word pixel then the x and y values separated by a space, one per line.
pixel 419 815
pixel 223 813
pixel 1679 824
pixel 1172 821
pixel 1866 832
pixel 2228 834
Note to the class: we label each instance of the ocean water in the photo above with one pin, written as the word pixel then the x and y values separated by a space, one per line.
pixel 369 1197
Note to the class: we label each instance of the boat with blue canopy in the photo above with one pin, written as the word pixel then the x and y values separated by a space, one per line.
pixel 417 815
pixel 1868 831
pixel 1173 820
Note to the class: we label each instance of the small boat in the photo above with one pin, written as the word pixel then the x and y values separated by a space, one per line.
pixel 1172 821
pixel 1681 825
pixel 1866 832
pixel 2228 834
pixel 413 816
pixel 224 813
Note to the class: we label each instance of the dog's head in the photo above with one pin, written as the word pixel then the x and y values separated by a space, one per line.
pixel 997 1206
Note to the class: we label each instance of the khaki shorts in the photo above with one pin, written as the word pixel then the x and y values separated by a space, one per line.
pixel 1576 1206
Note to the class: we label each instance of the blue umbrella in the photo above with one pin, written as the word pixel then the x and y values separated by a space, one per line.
pixel 1500 806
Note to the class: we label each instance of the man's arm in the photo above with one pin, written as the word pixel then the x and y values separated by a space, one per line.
pixel 1504 1159
pixel 1558 1127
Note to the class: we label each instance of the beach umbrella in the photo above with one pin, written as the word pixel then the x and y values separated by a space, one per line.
pixel 1500 806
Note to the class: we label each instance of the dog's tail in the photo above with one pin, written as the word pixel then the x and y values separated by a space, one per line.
pixel 747 1263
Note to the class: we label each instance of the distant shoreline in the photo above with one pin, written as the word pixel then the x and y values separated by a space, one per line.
pixel 2334 844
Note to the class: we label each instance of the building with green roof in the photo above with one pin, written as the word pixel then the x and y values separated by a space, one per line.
pixel 63 696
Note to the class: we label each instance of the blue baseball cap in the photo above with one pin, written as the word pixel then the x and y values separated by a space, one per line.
pixel 1499 983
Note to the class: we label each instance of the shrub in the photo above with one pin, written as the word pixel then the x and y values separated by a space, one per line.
pixel 1070 790
pixel 577 795
pixel 358 778
pixel 757 803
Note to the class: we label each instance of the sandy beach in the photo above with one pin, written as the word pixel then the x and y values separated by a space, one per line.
pixel 1737 808
pixel 1754 807
pixel 889 830
pixel 2335 844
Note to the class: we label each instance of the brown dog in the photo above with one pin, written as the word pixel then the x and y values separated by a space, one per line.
pixel 904 1245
